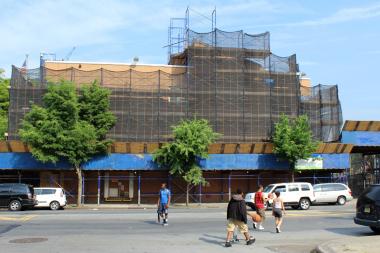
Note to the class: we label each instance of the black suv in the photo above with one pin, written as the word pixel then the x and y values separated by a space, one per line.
pixel 16 196
pixel 368 208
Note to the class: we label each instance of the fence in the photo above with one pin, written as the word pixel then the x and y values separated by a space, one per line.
pixel 359 182
pixel 143 189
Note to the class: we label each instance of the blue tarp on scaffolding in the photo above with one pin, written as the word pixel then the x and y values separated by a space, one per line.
pixel 25 161
pixel 361 138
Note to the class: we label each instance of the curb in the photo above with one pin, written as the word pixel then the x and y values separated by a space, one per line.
pixel 369 244
pixel 322 249
pixel 153 207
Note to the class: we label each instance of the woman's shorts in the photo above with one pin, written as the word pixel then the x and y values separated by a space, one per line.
pixel 277 213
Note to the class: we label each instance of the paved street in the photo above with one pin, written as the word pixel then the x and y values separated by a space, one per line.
pixel 190 230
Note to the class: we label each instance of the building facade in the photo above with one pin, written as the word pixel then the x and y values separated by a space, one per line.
pixel 232 79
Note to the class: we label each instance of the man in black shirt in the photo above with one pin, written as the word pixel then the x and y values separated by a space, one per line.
pixel 237 217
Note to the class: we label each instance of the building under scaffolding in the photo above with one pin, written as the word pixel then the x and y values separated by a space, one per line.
pixel 231 79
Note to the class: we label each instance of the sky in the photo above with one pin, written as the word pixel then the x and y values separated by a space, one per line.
pixel 336 42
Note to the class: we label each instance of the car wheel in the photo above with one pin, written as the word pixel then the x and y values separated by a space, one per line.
pixel 295 207
pixel 15 205
pixel 341 200
pixel 375 229
pixel 54 205
pixel 304 204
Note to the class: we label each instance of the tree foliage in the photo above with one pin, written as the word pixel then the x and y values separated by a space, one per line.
pixel 293 139
pixel 191 140
pixel 94 109
pixel 69 126
pixel 65 128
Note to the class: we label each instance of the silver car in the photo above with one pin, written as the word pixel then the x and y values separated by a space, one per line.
pixel 332 193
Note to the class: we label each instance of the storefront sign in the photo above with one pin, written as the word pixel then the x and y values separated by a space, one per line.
pixel 312 163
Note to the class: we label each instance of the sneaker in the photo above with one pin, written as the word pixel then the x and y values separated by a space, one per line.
pixel 278 230
pixel 251 241
pixel 165 224
pixel 228 244
pixel 254 225
pixel 261 227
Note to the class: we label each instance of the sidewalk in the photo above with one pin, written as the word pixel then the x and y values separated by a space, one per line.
pixel 146 206
pixel 364 244
pixel 154 206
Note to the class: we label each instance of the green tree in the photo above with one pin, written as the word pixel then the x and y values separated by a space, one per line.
pixel 64 128
pixel 4 104
pixel 191 140
pixel 293 140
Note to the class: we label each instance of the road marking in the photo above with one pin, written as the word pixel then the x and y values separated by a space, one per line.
pixel 316 214
pixel 8 218
pixel 28 217
pixel 306 213
pixel 311 213
pixel 20 218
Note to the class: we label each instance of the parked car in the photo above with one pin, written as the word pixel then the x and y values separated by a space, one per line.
pixel 332 193
pixel 368 208
pixel 54 198
pixel 17 196
pixel 297 195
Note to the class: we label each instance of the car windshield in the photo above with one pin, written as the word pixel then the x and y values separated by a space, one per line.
pixel 268 188
pixel 372 193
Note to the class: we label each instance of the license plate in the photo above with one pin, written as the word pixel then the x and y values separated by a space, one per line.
pixel 367 209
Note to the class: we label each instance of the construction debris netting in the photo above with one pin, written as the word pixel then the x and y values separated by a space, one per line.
pixel 230 78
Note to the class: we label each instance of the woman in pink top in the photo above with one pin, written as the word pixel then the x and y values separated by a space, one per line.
pixel 278 211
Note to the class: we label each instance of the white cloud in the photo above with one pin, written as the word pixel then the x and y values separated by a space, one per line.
pixel 347 14
pixel 340 16
pixel 31 27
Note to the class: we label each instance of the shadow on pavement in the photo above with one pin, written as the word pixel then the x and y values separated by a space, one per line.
pixel 6 228
pixel 217 240
pixel 358 231
pixel 152 222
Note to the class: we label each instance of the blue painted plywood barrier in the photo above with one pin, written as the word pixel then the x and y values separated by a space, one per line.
pixel 25 161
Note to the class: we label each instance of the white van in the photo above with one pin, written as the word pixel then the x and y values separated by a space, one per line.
pixel 54 198
pixel 332 193
pixel 297 195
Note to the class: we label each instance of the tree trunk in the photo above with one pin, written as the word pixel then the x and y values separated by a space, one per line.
pixel 187 193
pixel 78 171
pixel 292 169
